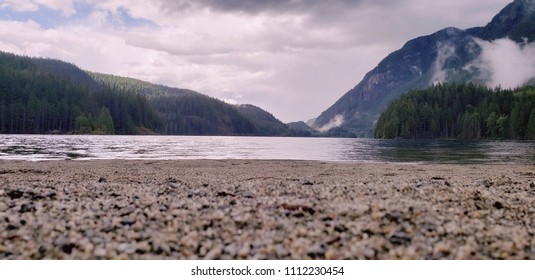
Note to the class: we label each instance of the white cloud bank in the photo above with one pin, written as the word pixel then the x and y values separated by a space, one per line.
pixel 501 63
pixel 337 121
pixel 505 63
pixel 445 52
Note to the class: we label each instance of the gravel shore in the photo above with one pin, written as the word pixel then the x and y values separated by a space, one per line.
pixel 246 209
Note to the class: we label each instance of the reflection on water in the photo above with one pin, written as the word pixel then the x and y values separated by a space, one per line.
pixel 455 151
pixel 49 147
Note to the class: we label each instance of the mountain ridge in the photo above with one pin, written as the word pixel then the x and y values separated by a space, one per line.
pixel 40 95
pixel 443 56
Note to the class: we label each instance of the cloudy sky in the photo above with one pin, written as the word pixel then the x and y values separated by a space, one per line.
pixel 293 58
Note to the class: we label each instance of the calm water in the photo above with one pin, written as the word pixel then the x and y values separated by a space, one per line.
pixel 85 147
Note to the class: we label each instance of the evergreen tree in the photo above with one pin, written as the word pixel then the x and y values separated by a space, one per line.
pixel 531 126
pixel 104 122
pixel 460 111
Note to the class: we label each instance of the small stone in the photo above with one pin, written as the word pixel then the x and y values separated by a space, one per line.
pixel 330 254
pixel 316 253
pixel 368 253
pixel 128 210
pixel 340 228
pixel 332 241
pixel 11 227
pixel 190 239
pixel 137 227
pixel 67 248
pixel 99 252
pixel 51 195
pixel 441 249
pixel 307 182
pixel 88 247
pixel 244 251
pixel 484 183
pixel 231 250
pixel 102 180
pixel 142 247
pixel 299 215
pixel 224 194
pixel 248 195
pixel 400 238
pixel 280 251
pixel 128 221
pixel 27 207
pixel 213 254
pixel 15 194
pixel 394 216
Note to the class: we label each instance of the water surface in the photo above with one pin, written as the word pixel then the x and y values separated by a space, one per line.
pixel 89 147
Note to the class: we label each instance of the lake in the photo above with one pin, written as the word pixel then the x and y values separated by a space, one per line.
pixel 90 147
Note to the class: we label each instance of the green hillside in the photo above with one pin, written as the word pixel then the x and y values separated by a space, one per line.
pixel 49 96
pixel 464 111
pixel 186 112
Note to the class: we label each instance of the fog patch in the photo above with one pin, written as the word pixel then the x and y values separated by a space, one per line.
pixel 337 121
pixel 230 101
pixel 444 53
pixel 504 63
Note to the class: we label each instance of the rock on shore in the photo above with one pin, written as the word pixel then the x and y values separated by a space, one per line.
pixel 241 209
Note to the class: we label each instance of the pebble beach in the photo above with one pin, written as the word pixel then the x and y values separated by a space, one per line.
pixel 256 209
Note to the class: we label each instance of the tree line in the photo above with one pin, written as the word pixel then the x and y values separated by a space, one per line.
pixel 50 96
pixel 36 99
pixel 465 111
pixel 186 112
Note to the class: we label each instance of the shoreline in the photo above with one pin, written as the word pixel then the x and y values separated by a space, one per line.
pixel 265 209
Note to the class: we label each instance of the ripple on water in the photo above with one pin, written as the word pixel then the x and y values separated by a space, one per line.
pixel 88 147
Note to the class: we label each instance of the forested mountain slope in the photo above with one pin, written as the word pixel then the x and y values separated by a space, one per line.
pixel 49 96
pixel 449 55
pixel 186 112
pixel 464 111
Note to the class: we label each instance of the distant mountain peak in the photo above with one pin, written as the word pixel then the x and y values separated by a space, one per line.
pixel 528 5
pixel 448 55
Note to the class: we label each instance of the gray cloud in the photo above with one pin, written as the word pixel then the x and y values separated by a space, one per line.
pixel 263 6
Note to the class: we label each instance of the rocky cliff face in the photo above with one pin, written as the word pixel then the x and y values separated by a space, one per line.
pixel 448 55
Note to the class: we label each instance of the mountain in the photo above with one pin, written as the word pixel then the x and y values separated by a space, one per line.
pixel 147 89
pixel 40 95
pixel 449 55
pixel 301 129
pixel 265 123
pixel 186 112
pixel 50 96
pixel 183 111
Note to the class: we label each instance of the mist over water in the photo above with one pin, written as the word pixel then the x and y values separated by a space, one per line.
pixel 85 147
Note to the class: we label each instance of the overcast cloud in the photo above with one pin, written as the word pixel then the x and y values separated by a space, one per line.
pixel 293 58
